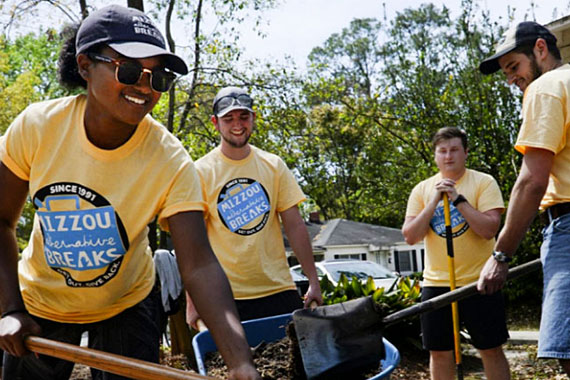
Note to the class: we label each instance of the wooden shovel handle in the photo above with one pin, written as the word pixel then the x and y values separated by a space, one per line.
pixel 119 365
pixel 455 295
pixel 201 325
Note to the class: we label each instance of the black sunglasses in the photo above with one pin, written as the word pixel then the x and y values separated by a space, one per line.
pixel 228 101
pixel 130 72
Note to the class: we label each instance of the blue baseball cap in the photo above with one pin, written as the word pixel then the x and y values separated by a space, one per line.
pixel 129 32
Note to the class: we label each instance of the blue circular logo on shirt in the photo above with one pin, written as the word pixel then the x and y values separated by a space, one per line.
pixel 83 235
pixel 458 223
pixel 244 206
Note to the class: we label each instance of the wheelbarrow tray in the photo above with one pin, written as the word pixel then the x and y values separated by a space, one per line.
pixel 271 329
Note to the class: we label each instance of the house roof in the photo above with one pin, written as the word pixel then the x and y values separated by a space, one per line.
pixel 348 232
pixel 337 232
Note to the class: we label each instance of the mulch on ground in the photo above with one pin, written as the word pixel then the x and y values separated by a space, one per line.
pixel 273 362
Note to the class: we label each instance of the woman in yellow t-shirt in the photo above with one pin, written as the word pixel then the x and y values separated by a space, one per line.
pixel 98 169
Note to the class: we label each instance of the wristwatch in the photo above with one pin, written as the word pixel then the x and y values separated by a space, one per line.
pixel 501 257
pixel 460 198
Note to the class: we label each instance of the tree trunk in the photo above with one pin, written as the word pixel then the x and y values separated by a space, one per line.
pixel 83 7
pixel 137 4
pixel 194 81
pixel 171 92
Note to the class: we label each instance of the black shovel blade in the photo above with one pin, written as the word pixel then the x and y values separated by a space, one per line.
pixel 339 339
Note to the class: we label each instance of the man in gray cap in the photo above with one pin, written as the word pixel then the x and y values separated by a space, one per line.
pixel 529 58
pixel 247 191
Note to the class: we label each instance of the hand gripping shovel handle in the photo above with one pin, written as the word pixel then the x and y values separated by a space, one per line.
pixel 455 295
pixel 119 365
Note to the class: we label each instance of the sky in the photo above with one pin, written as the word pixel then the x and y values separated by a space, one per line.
pixel 297 26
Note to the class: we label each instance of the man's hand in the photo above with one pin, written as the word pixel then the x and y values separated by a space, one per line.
pixel 492 277
pixel 13 329
pixel 313 294
pixel 446 185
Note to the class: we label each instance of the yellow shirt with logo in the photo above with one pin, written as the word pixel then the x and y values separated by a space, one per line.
pixel 244 200
pixel 546 119
pixel 470 250
pixel 88 257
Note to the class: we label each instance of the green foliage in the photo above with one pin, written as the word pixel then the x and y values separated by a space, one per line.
pixel 406 292
pixel 27 75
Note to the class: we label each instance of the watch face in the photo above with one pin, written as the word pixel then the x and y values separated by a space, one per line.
pixel 501 257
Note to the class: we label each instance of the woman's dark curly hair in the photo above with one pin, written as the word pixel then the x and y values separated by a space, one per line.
pixel 68 72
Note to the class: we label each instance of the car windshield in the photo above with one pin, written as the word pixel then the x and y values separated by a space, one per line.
pixel 361 270
pixel 298 276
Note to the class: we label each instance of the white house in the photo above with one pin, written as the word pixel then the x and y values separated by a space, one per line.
pixel 346 239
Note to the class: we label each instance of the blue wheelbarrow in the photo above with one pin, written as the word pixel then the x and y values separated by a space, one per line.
pixel 271 329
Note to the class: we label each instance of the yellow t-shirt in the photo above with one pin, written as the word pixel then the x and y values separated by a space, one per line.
pixel 470 250
pixel 546 118
pixel 244 198
pixel 88 257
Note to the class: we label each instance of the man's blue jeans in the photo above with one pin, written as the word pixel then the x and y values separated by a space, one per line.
pixel 554 338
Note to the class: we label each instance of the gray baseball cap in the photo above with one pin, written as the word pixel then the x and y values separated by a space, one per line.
pixel 525 33
pixel 231 98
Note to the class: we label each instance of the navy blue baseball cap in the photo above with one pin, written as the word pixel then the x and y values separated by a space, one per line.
pixel 129 32
pixel 525 33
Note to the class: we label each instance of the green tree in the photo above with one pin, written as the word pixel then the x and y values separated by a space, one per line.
pixel 27 75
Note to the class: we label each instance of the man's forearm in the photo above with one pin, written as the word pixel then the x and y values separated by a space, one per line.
pixel 524 203
pixel 416 227
pixel 300 242
pixel 525 199
pixel 301 245
pixel 484 224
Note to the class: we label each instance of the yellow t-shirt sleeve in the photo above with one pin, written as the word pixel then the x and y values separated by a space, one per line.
pixel 290 193
pixel 17 147
pixel 415 201
pixel 490 196
pixel 185 195
pixel 543 122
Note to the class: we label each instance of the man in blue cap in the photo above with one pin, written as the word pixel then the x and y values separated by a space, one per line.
pixel 529 58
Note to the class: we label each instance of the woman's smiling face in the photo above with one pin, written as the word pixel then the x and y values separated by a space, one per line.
pixel 112 102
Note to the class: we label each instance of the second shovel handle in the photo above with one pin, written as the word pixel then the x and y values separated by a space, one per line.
pixel 455 295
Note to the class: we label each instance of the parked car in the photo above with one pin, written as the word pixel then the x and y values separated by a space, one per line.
pixel 360 269
pixel 301 281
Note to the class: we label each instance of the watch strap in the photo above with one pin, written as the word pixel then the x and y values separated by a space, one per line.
pixel 460 198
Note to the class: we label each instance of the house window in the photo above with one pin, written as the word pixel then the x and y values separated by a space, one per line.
pixel 405 261
pixel 354 256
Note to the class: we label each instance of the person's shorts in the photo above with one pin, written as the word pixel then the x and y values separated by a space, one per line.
pixel 482 315
pixel 275 304
pixel 554 336
pixel 133 333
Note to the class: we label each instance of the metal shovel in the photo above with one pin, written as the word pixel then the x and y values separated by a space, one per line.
pixel 337 340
